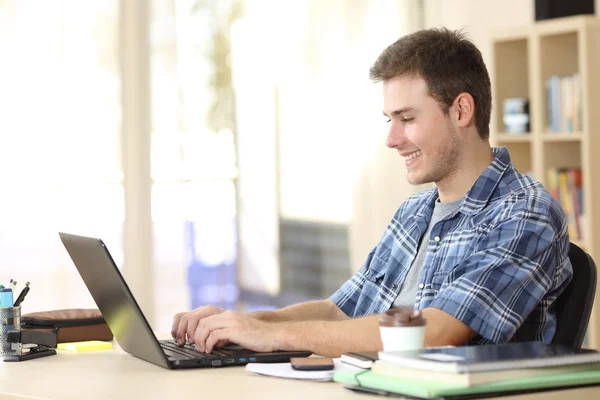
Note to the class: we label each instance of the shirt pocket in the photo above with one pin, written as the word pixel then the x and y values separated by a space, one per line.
pixel 371 298
pixel 376 272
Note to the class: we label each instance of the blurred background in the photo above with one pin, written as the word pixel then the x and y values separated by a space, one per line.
pixel 228 152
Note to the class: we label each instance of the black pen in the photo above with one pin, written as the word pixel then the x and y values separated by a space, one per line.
pixel 22 295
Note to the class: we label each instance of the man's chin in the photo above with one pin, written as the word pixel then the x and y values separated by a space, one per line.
pixel 415 180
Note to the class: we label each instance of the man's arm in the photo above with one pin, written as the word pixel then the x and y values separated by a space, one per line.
pixel 332 338
pixel 445 330
pixel 186 323
pixel 327 338
pixel 311 310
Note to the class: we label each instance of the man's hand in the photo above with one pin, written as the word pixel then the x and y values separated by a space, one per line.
pixel 231 326
pixel 185 323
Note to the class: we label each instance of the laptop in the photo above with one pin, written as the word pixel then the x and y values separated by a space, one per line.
pixel 129 325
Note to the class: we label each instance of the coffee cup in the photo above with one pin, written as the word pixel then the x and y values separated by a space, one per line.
pixel 402 329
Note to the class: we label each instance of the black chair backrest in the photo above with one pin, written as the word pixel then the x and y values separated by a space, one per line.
pixel 574 305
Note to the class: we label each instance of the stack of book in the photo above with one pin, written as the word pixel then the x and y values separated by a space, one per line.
pixel 566 187
pixel 563 99
pixel 471 370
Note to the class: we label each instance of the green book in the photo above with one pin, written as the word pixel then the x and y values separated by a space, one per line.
pixel 426 389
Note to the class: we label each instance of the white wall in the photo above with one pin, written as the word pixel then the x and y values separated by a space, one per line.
pixel 478 18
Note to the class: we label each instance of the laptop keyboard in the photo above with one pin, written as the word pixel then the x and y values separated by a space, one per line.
pixel 189 351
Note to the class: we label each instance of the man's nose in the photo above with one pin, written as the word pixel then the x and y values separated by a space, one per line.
pixel 395 137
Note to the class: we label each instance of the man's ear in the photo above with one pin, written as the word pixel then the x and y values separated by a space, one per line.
pixel 465 110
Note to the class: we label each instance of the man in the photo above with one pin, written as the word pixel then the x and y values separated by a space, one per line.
pixel 483 255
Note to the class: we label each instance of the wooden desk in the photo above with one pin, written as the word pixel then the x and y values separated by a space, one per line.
pixel 114 374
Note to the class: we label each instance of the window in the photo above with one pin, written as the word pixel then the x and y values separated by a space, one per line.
pixel 59 142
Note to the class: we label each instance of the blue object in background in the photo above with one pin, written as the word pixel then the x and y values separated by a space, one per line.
pixel 6 297
pixel 211 266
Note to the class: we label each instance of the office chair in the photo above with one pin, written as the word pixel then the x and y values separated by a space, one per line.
pixel 574 305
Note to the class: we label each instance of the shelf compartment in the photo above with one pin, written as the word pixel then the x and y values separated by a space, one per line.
pixel 562 154
pixel 559 54
pixel 511 77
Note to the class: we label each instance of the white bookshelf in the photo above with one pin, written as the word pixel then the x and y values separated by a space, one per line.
pixel 523 60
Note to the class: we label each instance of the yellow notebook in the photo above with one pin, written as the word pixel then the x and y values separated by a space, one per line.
pixel 85 346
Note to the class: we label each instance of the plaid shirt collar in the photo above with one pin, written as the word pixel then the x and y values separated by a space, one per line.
pixel 482 190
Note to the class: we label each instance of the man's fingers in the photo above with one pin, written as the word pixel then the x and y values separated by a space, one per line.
pixel 207 325
pixel 215 337
pixel 191 329
pixel 184 324
pixel 222 343
pixel 182 329
pixel 206 311
pixel 202 332
pixel 175 325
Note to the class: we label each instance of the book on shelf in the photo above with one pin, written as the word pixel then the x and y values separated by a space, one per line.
pixel 467 379
pixel 491 357
pixel 564 103
pixel 565 185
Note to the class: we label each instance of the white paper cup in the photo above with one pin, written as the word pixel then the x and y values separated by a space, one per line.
pixel 402 338
pixel 402 329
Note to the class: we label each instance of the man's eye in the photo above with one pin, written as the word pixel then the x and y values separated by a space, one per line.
pixel 388 120
pixel 407 119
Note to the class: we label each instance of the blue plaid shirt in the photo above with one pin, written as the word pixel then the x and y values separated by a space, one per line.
pixel 497 263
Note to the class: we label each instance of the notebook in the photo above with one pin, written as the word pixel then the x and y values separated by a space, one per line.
pixel 427 390
pixel 89 345
pixel 363 359
pixel 491 357
pixel 392 370
pixel 129 325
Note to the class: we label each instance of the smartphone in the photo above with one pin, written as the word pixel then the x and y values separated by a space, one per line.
pixel 311 363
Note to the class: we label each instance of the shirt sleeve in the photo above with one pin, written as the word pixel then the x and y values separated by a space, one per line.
pixel 519 265
pixel 346 297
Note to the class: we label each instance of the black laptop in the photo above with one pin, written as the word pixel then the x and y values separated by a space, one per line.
pixel 127 322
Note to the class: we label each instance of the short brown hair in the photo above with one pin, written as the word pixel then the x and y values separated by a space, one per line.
pixel 448 62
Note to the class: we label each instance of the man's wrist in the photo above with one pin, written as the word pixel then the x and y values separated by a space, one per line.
pixel 284 335
pixel 264 316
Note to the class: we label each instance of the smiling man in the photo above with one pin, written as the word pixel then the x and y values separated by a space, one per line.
pixel 483 254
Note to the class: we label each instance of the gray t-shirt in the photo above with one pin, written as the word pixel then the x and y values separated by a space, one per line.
pixel 408 292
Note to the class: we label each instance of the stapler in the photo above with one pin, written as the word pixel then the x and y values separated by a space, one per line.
pixel 33 345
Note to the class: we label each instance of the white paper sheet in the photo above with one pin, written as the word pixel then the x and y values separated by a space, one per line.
pixel 285 370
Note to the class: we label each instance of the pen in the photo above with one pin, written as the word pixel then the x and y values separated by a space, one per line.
pixel 13 285
pixel 22 295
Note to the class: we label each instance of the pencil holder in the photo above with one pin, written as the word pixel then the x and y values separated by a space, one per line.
pixel 10 320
